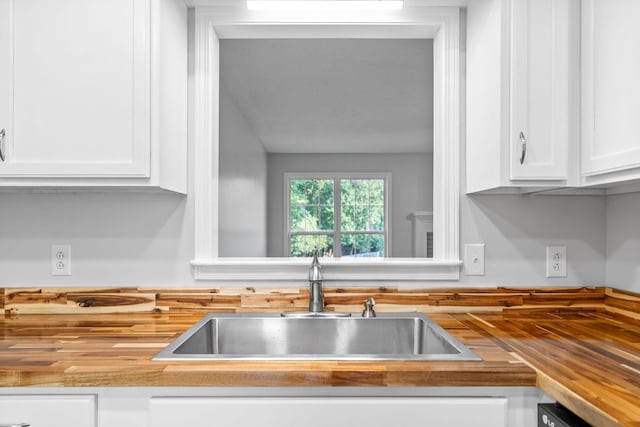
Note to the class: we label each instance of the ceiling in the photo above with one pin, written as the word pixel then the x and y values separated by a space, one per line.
pixel 333 95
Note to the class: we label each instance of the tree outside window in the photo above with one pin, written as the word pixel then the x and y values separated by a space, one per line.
pixel 342 216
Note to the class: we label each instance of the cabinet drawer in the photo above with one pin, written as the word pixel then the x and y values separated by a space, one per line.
pixel 322 412
pixel 49 411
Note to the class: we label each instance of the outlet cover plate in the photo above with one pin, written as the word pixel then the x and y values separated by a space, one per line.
pixel 556 261
pixel 61 260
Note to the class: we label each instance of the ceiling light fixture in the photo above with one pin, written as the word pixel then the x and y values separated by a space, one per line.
pixel 324 5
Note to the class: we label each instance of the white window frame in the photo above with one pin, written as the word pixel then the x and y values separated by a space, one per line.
pixel 336 177
pixel 224 19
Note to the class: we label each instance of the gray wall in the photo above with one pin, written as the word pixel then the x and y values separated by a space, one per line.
pixel 147 239
pixel 517 229
pixel 623 241
pixel 117 238
pixel 411 180
pixel 243 185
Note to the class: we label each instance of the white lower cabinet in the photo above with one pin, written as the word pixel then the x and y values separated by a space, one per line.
pixel 328 411
pixel 48 410
pixel 270 406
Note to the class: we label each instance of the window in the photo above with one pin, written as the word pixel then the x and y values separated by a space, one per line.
pixel 341 215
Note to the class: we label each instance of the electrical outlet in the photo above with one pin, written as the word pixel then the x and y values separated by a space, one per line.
pixel 474 259
pixel 556 261
pixel 61 260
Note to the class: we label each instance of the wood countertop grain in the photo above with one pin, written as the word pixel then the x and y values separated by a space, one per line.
pixel 116 350
pixel 587 359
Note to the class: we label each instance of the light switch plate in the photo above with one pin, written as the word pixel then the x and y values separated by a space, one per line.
pixel 474 259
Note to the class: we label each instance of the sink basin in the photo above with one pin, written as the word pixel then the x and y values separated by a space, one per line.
pixel 268 336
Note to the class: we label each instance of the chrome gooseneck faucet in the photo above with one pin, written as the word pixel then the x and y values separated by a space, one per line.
pixel 316 298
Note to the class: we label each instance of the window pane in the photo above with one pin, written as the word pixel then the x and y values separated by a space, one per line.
pixel 348 219
pixel 376 218
pixel 326 218
pixel 296 218
pixel 362 217
pixel 348 191
pixel 347 243
pixel 303 245
pixel 296 191
pixel 326 191
pixel 309 203
pixel 312 192
pixel 311 220
pixel 376 191
pixel 362 204
pixel 362 191
pixel 362 245
pixel 376 244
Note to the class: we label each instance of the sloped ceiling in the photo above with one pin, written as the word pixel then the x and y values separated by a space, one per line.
pixel 334 95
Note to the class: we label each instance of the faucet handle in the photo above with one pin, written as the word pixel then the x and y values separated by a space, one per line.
pixel 368 311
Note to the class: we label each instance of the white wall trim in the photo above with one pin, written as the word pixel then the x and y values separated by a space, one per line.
pixel 217 22
pixel 421 224
pixel 295 270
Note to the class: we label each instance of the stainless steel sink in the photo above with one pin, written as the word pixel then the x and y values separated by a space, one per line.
pixel 268 336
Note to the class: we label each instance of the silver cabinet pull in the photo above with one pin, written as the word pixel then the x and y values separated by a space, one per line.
pixel 15 425
pixel 3 134
pixel 523 143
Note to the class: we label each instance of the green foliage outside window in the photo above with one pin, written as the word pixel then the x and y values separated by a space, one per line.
pixel 361 210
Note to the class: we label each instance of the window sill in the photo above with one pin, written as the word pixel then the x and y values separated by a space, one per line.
pixel 295 270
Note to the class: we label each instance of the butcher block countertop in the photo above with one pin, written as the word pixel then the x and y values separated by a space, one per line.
pixel 587 359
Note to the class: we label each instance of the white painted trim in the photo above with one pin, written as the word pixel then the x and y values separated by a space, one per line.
pixel 295 270
pixel 231 21
pixel 407 3
pixel 421 224
pixel 206 141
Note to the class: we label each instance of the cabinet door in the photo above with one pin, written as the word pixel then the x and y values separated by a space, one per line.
pixel 322 412
pixel 48 411
pixel 5 75
pixel 540 88
pixel 610 86
pixel 77 77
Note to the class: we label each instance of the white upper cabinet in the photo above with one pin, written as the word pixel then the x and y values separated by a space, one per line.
pixel 82 90
pixel 610 91
pixel 522 94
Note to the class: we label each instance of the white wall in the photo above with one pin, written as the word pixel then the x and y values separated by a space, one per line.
pixel 411 181
pixel 243 185
pixel 623 241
